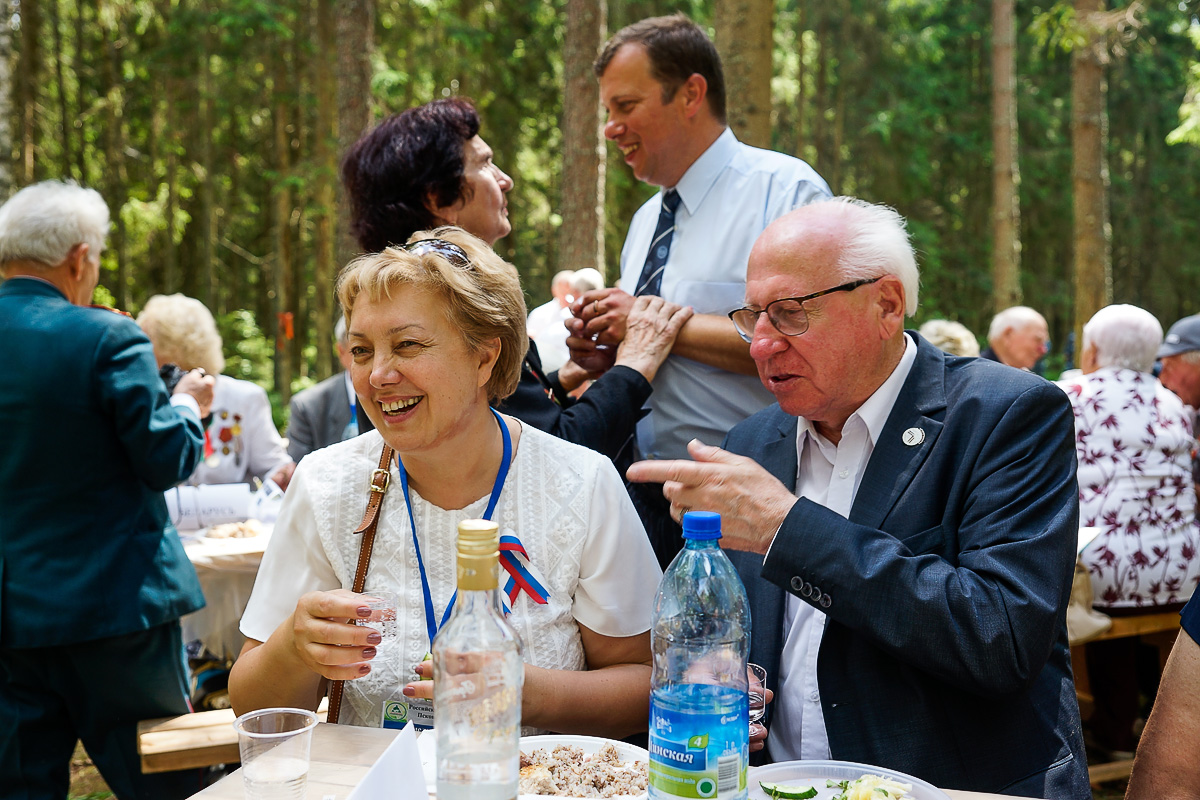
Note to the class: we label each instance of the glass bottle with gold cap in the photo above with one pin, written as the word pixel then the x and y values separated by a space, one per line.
pixel 477 673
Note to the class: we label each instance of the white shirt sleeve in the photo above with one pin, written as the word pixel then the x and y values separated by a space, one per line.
pixel 264 445
pixel 295 563
pixel 618 572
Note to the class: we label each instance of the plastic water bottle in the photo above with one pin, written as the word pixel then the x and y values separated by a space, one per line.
pixel 478 674
pixel 699 712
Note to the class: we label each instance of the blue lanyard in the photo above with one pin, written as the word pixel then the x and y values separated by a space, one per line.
pixel 491 507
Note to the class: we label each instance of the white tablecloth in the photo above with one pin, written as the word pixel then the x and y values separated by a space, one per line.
pixel 226 568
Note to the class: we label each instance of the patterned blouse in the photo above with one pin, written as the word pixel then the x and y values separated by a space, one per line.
pixel 1134 441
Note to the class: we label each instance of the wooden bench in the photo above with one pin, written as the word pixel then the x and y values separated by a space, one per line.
pixel 1159 630
pixel 192 740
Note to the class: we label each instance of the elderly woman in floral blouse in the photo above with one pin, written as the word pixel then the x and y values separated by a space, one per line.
pixel 1134 440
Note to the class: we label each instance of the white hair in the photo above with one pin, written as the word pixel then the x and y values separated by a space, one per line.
pixel 563 276
pixel 586 280
pixel 1013 319
pixel 339 330
pixel 42 222
pixel 952 337
pixel 1125 336
pixel 183 332
pixel 876 244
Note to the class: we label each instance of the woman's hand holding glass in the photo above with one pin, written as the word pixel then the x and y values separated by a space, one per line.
pixel 327 638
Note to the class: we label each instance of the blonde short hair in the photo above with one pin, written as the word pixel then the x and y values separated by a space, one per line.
pixel 483 302
pixel 951 337
pixel 183 333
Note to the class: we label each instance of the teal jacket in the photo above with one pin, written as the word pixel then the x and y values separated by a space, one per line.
pixel 88 444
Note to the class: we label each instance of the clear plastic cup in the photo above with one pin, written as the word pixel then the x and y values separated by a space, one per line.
pixel 274 744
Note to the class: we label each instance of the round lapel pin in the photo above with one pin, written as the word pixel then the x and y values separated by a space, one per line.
pixel 913 437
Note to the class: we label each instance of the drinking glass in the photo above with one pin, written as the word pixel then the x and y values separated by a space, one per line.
pixel 382 618
pixel 757 678
pixel 274 744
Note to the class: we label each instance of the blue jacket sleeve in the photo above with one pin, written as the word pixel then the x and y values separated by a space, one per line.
pixel 164 443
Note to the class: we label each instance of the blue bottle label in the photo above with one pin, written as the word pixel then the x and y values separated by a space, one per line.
pixel 699 743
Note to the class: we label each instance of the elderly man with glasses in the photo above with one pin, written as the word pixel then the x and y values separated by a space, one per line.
pixel 904 521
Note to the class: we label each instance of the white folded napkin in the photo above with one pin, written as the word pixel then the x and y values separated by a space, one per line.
pixel 390 775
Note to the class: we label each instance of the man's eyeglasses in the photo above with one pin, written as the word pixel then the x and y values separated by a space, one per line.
pixel 787 314
pixel 447 250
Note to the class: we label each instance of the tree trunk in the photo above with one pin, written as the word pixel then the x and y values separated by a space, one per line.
pixel 1006 175
pixel 800 91
pixel 1093 260
pixel 355 41
pixel 744 37
pixel 114 156
pixel 581 234
pixel 64 116
pixel 281 232
pixel 6 87
pixel 81 165
pixel 29 82
pixel 821 98
pixel 324 139
pixel 207 179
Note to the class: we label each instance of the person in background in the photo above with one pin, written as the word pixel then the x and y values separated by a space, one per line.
pixel 324 414
pixel 950 337
pixel 662 84
pixel 555 310
pixel 1018 337
pixel 551 341
pixel 1166 766
pixel 93 578
pixel 1180 360
pixel 904 522
pixel 428 166
pixel 1134 441
pixel 437 336
pixel 241 443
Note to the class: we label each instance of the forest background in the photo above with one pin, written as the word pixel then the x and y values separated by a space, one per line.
pixel 1044 152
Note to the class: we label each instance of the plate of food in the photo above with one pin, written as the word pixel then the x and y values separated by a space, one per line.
pixel 247 529
pixel 837 780
pixel 559 765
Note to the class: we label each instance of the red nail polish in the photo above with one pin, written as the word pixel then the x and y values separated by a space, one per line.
pixel 363 611
pixel 364 669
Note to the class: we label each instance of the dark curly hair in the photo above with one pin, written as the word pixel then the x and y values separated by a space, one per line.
pixel 408 158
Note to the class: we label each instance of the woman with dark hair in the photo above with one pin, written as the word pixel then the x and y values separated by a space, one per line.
pixel 427 167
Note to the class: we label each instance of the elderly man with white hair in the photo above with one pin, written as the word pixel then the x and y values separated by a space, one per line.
pixel 92 575
pixel 1017 337
pixel 1134 441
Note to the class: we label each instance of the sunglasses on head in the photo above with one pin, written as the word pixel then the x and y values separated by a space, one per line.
pixel 447 250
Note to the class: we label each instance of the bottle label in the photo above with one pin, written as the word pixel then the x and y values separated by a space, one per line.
pixel 397 713
pixel 696 754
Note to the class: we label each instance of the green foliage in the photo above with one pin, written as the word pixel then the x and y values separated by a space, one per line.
pixel 888 99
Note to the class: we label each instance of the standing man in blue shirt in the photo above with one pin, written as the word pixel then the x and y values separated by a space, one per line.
pixel 662 85
pixel 93 578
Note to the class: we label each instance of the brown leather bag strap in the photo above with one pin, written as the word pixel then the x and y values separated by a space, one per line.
pixel 380 480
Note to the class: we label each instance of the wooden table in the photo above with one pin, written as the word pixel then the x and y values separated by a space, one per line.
pixel 342 754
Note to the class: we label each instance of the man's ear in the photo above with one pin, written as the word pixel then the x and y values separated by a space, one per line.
pixel 891 304
pixel 695 94
pixel 77 259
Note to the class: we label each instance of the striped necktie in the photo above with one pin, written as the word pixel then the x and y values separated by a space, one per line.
pixel 660 246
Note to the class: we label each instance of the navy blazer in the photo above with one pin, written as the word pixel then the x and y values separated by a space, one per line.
pixel 945 650
pixel 89 444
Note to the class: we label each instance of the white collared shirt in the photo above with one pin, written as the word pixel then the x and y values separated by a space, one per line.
pixel 828 474
pixel 728 196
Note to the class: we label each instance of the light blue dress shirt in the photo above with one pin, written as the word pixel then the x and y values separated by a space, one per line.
pixel 730 194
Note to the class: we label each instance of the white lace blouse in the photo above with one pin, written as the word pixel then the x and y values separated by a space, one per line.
pixel 566 504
